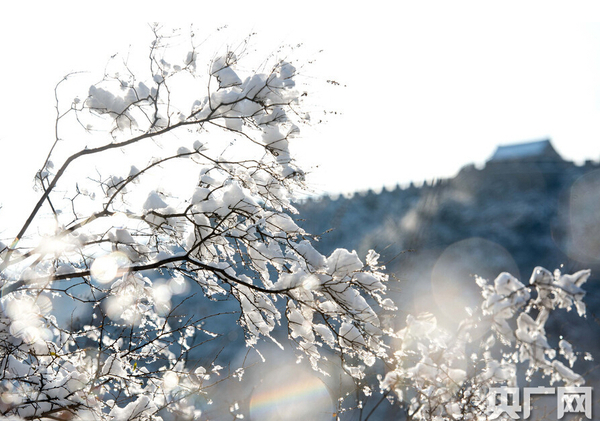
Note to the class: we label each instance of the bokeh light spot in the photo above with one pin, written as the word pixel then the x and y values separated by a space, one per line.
pixel 584 219
pixel 106 268
pixel 453 277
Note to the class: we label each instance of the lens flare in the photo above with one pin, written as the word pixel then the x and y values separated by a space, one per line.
pixel 25 315
pixel 106 268
pixel 291 394
pixel 583 243
pixel 170 380
pixel 162 298
pixel 453 277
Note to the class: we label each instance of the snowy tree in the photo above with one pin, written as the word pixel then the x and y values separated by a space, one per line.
pixel 117 206
pixel 449 375
pixel 121 230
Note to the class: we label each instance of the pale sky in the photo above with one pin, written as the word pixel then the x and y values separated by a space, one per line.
pixel 428 89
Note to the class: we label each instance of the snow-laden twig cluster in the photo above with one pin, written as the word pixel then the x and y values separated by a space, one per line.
pixel 111 231
pixel 447 375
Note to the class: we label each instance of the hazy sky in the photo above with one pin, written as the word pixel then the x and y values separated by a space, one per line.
pixel 426 90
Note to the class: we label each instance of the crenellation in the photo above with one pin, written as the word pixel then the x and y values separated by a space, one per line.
pixel 538 164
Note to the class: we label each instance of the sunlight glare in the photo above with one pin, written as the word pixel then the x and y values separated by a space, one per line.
pixel 106 268
pixel 453 277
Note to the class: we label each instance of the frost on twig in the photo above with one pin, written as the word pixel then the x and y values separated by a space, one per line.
pixel 179 175
pixel 441 374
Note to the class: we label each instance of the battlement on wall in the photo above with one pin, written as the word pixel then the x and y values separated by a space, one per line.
pixel 538 157
pixel 397 190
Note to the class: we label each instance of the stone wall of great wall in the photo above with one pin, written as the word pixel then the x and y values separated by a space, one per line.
pixel 471 174
pixel 500 185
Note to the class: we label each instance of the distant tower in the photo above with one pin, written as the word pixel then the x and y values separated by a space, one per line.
pixel 540 151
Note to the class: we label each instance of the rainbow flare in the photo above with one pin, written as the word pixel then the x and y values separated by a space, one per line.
pixel 303 396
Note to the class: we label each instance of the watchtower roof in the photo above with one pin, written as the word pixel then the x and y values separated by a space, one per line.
pixel 541 149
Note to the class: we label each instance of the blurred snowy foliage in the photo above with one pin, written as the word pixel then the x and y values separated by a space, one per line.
pixel 437 238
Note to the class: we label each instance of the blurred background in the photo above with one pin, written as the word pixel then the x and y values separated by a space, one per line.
pixel 455 146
